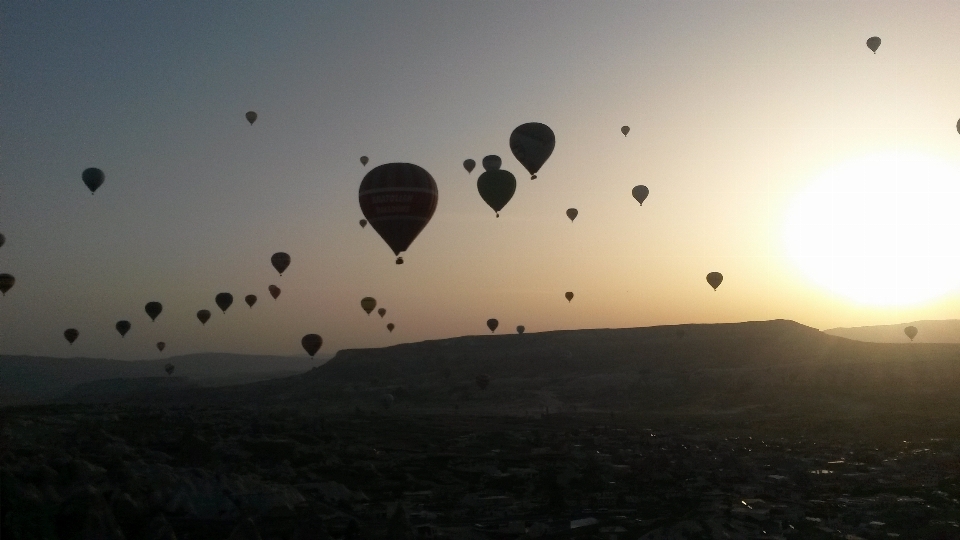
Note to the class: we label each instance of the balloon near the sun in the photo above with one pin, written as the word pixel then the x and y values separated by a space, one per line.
pixel 880 229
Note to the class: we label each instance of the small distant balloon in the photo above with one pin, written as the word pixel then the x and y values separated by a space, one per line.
pixel 71 334
pixel 496 188
pixel 390 327
pixel 250 299
pixel 368 304
pixel 153 309
pixel 382 312
pixel 469 164
pixel 161 345
pixel 521 329
pixel 93 178
pixel 123 327
pixel 280 261
pixel 204 316
pixel 169 369
pixel 569 296
pixel 311 343
pixel 251 117
pixel 572 214
pixel 958 131
pixel 3 240
pixel 223 300
pixel 483 381
pixel 364 160
pixel 714 279
pixel 625 130
pixel 911 332
pixel 363 223
pixel 6 283
pixel 491 162
pixel 492 324
pixel 640 193
pixel 274 291
pixel 874 44
pixel 386 400
pixel 532 143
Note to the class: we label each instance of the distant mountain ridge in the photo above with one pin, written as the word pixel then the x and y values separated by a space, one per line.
pixel 938 331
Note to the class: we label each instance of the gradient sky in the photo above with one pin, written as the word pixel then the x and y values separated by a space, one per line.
pixel 736 108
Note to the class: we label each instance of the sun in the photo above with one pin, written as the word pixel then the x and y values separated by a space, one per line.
pixel 882 229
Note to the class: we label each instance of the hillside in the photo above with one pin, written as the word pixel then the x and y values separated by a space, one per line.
pixel 947 331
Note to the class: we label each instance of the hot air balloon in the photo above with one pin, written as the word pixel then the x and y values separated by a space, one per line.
pixel 640 193
pixel 280 261
pixel 625 130
pixel 71 334
pixel 568 295
pixel 572 214
pixel 492 324
pixel 382 312
pixel 521 329
pixel 223 300
pixel 874 44
pixel 251 117
pixel 714 279
pixel 250 299
pixel 93 178
pixel 958 131
pixel 363 223
pixel 532 144
pixel 153 309
pixel 274 291
pixel 469 164
pixel 3 240
pixel 390 327
pixel 911 332
pixel 368 304
pixel 123 327
pixel 398 199
pixel 496 188
pixel 364 160
pixel 6 283
pixel 169 369
pixel 204 316
pixel 491 162
pixel 311 343
pixel 161 345
pixel 386 400
pixel 483 381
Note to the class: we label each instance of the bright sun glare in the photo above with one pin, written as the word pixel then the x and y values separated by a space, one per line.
pixel 883 229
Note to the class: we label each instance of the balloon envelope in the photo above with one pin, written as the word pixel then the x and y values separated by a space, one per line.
pixel 368 304
pixel 161 345
pixel 123 327
pixel 93 178
pixel 390 327
pixel 364 160
pixel 569 296
pixel 398 199
pixel 911 332
pixel 386 400
pixel 274 291
pixel 363 223
pixel 153 309
pixel 714 279
pixel 204 316
pixel 491 162
pixel 223 300
pixel 640 193
pixel 521 329
pixel 71 334
pixel 6 283
pixel 250 299
pixel 311 343
pixel 496 188
pixel 3 240
pixel 492 324
pixel 251 117
pixel 572 214
pixel 169 369
pixel 280 261
pixel 874 44
pixel 625 130
pixel 532 144
pixel 469 164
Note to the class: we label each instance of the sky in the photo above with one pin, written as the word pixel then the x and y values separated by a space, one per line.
pixel 818 177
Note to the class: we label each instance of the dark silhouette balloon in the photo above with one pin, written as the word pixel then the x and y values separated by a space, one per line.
pixel 3 240
pixel 640 193
pixel 874 44
pixel 250 299
pixel 280 261
pixel 363 223
pixel 958 131
pixel 311 343
pixel 123 327
pixel 492 324
pixel 169 369
pixel 364 160
pixel 398 199
pixel 496 188
pixel 568 295
pixel 521 329
pixel 714 279
pixel 6 283
pixel 532 144
pixel 71 334
pixel 911 332
pixel 223 300
pixel 386 400
pixel 204 316
pixel 483 381
pixel 251 117
pixel 625 130
pixel 572 214
pixel 153 309
pixel 382 312
pixel 93 178
pixel 491 162
pixel 274 291
pixel 161 345
pixel 368 304
pixel 390 327
pixel 469 164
